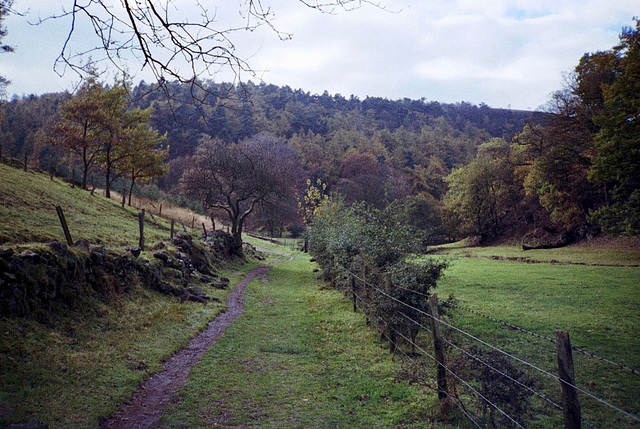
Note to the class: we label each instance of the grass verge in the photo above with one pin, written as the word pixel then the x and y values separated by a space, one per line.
pixel 299 357
pixel 82 367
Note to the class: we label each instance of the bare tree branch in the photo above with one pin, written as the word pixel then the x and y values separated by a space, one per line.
pixel 174 47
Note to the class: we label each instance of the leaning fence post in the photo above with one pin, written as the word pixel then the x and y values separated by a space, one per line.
pixel 65 227
pixel 204 228
pixel 141 223
pixel 173 222
pixel 570 402
pixel 443 389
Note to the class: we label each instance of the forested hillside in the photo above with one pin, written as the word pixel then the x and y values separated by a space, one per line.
pixel 458 169
pixel 374 149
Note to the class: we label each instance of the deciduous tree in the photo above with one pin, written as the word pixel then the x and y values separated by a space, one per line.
pixel 234 179
pixel 616 164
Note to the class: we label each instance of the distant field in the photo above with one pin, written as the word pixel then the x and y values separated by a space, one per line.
pixel 627 254
pixel 598 305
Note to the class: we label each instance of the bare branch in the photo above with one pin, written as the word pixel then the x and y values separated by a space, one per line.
pixel 174 47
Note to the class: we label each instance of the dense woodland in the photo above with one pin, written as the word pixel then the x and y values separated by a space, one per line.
pixel 457 169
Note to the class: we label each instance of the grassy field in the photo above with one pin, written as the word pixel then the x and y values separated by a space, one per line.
pixel 598 305
pixel 73 369
pixel 299 357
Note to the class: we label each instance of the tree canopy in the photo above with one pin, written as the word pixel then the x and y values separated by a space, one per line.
pixel 234 179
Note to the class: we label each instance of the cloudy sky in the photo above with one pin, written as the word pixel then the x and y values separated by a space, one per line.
pixel 505 53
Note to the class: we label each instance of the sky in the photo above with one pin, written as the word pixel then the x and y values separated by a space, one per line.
pixel 504 53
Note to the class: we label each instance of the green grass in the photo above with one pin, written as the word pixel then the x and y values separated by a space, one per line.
pixel 27 210
pixel 569 255
pixel 85 365
pixel 598 305
pixel 299 357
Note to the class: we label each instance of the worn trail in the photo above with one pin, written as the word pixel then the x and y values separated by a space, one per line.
pixel 148 403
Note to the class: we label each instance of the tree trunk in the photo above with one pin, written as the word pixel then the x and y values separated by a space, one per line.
pixel 131 189
pixel 237 238
pixel 107 190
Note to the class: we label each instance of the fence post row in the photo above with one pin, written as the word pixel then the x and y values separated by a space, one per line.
pixel 570 402
pixel 443 389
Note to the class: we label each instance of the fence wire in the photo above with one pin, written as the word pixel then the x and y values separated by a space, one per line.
pixel 498 350
pixel 537 335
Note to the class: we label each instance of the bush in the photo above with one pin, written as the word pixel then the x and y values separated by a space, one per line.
pixel 359 239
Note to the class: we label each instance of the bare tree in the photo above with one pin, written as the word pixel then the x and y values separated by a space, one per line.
pixel 234 179
pixel 174 45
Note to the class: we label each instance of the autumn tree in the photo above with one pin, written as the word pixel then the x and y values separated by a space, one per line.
pixel 146 159
pixel 98 125
pixel 480 192
pixel 233 179
pixel 79 128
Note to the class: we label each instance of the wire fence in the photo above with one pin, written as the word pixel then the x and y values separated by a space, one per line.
pixel 520 378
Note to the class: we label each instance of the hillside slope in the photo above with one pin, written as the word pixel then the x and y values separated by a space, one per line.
pixel 82 326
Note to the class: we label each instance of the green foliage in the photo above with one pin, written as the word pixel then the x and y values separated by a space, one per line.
pixel 617 161
pixel 374 244
pixel 482 192
pixel 424 215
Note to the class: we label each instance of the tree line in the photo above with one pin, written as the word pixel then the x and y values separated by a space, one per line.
pixel 459 169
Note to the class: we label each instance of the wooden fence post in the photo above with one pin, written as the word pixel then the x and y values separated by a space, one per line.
pixel 392 333
pixel 193 222
pixel 443 389
pixel 173 222
pixel 204 228
pixel 570 402
pixel 65 227
pixel 141 223
pixel 160 211
pixel 353 293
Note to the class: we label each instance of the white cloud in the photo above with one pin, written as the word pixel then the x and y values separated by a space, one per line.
pixel 501 52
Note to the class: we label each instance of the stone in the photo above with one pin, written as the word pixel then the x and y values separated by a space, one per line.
pixel 135 251
pixel 30 255
pixel 58 247
pixel 82 243
pixel 162 256
pixel 220 285
pixel 159 246
pixel 6 253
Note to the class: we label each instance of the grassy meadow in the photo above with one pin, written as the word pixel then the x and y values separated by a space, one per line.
pixel 596 299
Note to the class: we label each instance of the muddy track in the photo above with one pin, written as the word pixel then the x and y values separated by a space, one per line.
pixel 147 405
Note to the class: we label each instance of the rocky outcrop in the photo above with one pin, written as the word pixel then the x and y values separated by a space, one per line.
pixel 546 238
pixel 45 277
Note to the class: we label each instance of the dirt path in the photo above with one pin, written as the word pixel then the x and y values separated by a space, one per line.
pixel 148 403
